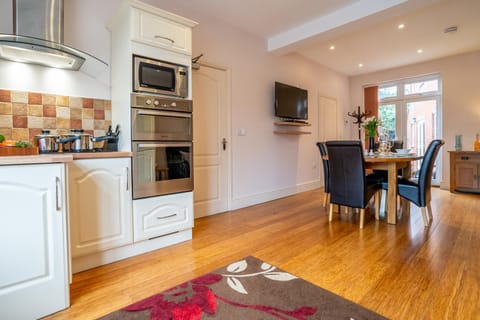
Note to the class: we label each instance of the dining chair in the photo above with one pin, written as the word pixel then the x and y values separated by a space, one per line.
pixel 418 191
pixel 326 173
pixel 349 185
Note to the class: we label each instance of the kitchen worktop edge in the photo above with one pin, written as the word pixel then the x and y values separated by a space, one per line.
pixel 60 157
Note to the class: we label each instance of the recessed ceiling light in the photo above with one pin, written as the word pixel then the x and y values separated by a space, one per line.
pixel 360 65
pixel 332 47
pixel 419 50
pixel 401 26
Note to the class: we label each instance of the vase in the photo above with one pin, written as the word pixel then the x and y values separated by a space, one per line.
pixel 371 145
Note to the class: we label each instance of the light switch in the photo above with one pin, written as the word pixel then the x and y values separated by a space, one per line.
pixel 242 132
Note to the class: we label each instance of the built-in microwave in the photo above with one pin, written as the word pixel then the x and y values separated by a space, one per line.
pixel 159 77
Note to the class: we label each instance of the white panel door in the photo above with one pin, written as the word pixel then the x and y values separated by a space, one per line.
pixel 100 205
pixel 211 140
pixel 327 119
pixel 33 241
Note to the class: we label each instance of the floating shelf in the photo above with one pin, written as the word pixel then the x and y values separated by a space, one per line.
pixel 291 124
pixel 291 132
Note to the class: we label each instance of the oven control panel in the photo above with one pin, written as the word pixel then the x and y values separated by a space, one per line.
pixel 161 103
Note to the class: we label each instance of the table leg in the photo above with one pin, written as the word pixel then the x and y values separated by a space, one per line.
pixel 392 193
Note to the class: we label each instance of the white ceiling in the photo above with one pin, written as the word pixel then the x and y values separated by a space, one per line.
pixel 362 31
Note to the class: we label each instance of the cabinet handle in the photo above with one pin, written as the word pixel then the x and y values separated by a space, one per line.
pixel 166 217
pixel 58 193
pixel 126 178
pixel 165 38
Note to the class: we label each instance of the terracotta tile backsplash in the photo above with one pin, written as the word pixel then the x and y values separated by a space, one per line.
pixel 24 114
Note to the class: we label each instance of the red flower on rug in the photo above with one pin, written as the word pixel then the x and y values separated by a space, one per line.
pixel 187 301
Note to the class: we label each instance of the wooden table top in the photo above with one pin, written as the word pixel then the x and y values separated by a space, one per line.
pixel 392 158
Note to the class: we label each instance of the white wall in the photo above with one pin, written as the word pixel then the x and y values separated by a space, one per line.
pixel 461 97
pixel 264 165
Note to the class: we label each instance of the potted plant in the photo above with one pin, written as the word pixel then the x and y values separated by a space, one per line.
pixel 371 126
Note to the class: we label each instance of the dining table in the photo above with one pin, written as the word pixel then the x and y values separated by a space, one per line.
pixel 392 162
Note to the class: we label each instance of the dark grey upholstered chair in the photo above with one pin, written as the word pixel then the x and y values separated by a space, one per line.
pixel 418 191
pixel 326 173
pixel 349 186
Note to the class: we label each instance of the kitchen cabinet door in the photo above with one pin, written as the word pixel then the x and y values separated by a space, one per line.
pixel 33 241
pixel 100 205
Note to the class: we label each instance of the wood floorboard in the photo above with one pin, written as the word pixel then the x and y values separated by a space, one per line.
pixel 402 271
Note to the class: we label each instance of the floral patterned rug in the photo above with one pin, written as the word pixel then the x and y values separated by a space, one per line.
pixel 246 289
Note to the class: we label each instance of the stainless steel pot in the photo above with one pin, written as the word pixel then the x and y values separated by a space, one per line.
pixel 47 142
pixel 77 141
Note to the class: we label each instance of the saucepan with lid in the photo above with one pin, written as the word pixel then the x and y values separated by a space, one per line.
pixel 47 142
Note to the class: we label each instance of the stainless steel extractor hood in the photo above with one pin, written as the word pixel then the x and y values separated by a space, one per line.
pixel 38 39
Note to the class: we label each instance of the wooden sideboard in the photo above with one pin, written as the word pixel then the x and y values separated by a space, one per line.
pixel 465 171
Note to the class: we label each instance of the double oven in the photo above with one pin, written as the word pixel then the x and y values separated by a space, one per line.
pixel 162 145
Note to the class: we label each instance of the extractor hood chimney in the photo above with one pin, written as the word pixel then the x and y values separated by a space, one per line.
pixel 38 39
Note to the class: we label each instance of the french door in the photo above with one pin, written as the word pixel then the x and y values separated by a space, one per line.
pixel 413 118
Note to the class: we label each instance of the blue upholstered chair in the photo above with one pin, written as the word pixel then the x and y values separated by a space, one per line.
pixel 326 173
pixel 349 186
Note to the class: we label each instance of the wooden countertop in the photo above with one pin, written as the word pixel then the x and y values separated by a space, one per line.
pixel 464 151
pixel 60 157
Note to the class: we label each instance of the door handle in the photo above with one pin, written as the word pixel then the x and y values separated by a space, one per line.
pixel 58 194
pixel 224 144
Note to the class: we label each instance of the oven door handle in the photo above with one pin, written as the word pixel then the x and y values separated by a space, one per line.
pixel 163 113
pixel 161 145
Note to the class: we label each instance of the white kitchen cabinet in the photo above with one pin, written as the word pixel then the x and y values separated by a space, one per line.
pixel 160 31
pixel 33 241
pixel 100 205
pixel 158 216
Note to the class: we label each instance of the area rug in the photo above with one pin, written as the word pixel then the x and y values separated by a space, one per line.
pixel 246 289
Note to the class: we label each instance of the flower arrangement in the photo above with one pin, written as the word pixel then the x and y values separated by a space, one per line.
pixel 371 125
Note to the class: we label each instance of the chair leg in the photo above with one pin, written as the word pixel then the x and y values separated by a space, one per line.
pixel 362 217
pixel 430 215
pixel 378 195
pixel 424 215
pixel 330 214
pixel 325 196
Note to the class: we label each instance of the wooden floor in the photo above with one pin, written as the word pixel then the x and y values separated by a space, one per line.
pixel 401 271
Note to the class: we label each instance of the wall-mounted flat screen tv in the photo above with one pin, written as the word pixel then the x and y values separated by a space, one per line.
pixel 291 103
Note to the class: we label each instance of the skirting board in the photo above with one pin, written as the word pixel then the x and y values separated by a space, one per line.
pixel 251 200
pixel 116 254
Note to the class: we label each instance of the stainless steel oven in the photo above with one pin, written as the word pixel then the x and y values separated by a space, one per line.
pixel 162 168
pixel 162 145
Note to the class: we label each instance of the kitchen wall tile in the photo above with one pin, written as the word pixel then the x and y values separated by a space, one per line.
pixel 49 123
pixel 87 124
pixel 5 108
pixel 75 113
pixel 24 114
pixel 20 122
pixel 87 113
pixel 49 111
pixel 98 124
pixel 49 99
pixel 6 132
pixel 99 114
pixel 6 121
pixel 35 110
pixel 32 132
pixel 5 96
pixel 75 102
pixel 18 96
pixel 34 98
pixel 62 101
pixel 76 124
pixel 19 109
pixel 35 122
pixel 63 112
pixel 98 104
pixel 87 103
pixel 20 134
pixel 63 123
